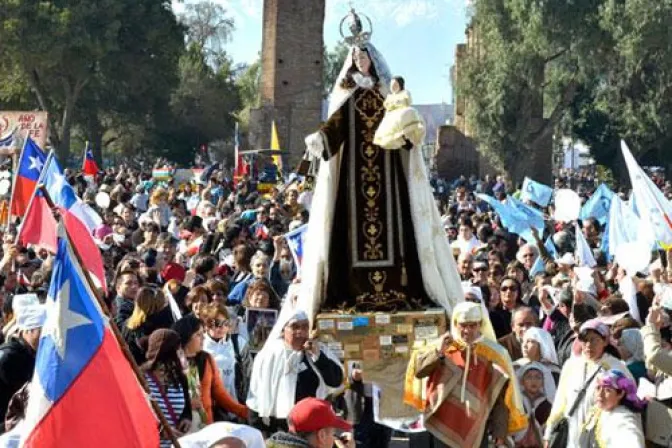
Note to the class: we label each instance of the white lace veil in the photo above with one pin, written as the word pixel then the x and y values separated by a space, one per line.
pixel 340 95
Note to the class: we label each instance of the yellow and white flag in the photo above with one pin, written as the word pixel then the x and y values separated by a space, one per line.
pixel 275 145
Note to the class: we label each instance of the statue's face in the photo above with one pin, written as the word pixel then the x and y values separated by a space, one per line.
pixel 362 62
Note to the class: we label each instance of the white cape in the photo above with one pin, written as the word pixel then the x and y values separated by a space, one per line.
pixel 274 376
pixel 439 271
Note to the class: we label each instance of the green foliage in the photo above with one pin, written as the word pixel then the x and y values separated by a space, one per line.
pixel 73 52
pixel 602 68
pixel 209 27
pixel 202 107
pixel 522 73
pixel 248 81
pixel 121 103
pixel 333 62
pixel 605 175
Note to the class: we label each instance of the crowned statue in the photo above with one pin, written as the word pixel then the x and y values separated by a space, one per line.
pixel 375 240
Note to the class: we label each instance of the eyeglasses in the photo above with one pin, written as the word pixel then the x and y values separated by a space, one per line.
pixel 481 269
pixel 219 323
pixel 508 288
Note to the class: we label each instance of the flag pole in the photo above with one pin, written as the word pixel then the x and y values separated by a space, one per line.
pixel 167 429
pixel 86 149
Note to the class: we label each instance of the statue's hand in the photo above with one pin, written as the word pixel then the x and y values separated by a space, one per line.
pixel 314 146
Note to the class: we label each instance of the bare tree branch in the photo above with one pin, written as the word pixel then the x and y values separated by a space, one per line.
pixel 555 56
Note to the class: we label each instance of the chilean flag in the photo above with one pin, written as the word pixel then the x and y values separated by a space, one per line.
pixel 31 161
pixel 295 240
pixel 89 167
pixel 39 226
pixel 83 392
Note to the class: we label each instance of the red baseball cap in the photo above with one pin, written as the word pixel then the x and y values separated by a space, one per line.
pixel 313 414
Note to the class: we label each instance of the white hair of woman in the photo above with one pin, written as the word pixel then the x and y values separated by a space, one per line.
pixel 525 248
pixel 260 256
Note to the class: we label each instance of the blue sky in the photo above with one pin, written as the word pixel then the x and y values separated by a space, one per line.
pixel 417 37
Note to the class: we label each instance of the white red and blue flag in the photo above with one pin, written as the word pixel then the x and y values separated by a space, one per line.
pixel 64 195
pixel 31 162
pixel 83 392
pixel 89 167
pixel 79 218
pixel 295 240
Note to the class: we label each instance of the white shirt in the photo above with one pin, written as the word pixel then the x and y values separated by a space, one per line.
pixel 225 357
pixel 466 246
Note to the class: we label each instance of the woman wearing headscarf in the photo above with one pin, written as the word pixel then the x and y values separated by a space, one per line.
pixel 615 420
pixel 538 389
pixel 538 346
pixel 289 368
pixel 579 373
pixel 631 348
pixel 167 384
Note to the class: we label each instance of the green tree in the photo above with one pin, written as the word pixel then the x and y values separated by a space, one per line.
pixel 201 108
pixel 597 70
pixel 248 79
pixel 62 49
pixel 119 108
pixel 209 27
pixel 333 62
pixel 526 62
pixel 633 95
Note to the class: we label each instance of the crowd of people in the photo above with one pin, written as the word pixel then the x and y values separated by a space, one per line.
pixel 581 343
pixel 190 266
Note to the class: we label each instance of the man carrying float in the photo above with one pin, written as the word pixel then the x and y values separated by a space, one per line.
pixel 471 388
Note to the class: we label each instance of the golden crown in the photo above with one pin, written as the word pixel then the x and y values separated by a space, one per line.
pixel 357 34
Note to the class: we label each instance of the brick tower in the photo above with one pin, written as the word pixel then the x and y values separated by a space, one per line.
pixel 291 75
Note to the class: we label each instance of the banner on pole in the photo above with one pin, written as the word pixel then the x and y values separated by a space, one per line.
pixel 33 124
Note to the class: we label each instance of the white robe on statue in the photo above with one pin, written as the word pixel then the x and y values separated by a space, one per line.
pixel 439 270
